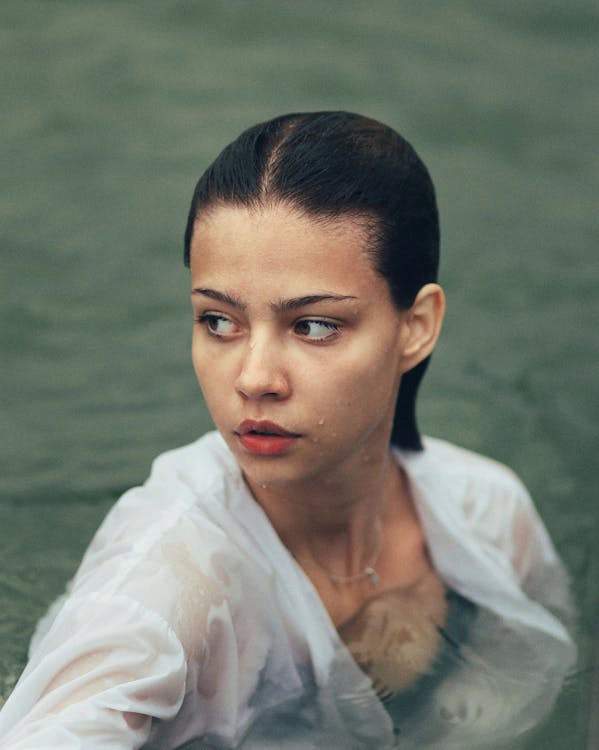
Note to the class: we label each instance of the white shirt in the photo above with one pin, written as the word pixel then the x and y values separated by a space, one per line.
pixel 188 618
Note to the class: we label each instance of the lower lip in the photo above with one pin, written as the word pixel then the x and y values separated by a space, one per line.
pixel 266 445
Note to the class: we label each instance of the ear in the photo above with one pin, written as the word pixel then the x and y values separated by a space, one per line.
pixel 422 326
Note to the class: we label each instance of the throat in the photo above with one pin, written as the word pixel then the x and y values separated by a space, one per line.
pixel 365 573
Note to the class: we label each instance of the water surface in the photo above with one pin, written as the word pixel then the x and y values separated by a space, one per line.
pixel 111 111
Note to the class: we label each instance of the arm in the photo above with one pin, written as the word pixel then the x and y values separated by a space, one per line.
pixel 105 669
pixel 539 569
pixel 511 525
pixel 114 656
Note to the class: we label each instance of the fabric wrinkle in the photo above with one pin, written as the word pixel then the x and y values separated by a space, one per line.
pixel 189 610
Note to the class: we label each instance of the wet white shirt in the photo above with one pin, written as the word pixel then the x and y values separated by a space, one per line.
pixel 189 619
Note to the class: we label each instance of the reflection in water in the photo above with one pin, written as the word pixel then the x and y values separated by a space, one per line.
pixel 479 684
pixel 492 681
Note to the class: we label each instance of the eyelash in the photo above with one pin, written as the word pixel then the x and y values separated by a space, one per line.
pixel 206 318
pixel 334 329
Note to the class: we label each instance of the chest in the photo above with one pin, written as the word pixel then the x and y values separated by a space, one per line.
pixel 396 636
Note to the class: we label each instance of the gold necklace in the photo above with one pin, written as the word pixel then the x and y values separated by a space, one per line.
pixel 368 572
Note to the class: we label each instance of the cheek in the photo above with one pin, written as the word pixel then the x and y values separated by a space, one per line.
pixel 214 397
pixel 209 373
pixel 356 390
pixel 206 356
pixel 200 369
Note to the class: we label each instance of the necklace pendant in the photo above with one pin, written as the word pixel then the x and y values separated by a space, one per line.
pixel 373 576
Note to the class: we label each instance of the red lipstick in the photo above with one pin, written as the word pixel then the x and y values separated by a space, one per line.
pixel 264 438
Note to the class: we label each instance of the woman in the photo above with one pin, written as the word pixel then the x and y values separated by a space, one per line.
pixel 313 574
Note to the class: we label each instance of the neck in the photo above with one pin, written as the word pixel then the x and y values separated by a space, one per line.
pixel 336 524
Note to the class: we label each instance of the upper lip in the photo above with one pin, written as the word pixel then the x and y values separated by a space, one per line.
pixel 263 426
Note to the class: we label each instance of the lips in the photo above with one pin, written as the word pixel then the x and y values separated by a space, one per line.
pixel 264 438
pixel 262 427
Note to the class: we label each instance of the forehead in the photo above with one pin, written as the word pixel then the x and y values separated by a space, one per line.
pixel 281 246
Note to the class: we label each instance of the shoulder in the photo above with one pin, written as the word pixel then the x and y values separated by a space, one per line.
pixel 199 465
pixel 463 462
pixel 495 509
pixel 180 480
pixel 183 500
pixel 477 481
pixel 160 545
pixel 486 498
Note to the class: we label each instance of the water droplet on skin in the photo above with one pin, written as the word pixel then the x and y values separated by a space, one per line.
pixel 321 421
pixel 263 486
pixel 315 439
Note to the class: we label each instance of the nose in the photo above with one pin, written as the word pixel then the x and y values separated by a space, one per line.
pixel 262 373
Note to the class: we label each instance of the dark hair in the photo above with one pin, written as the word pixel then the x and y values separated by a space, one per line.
pixel 336 164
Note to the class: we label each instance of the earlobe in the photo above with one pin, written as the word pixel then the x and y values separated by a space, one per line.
pixel 422 325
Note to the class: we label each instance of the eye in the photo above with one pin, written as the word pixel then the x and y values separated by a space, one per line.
pixel 217 325
pixel 317 330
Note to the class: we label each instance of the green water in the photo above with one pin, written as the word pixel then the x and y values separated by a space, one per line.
pixel 111 110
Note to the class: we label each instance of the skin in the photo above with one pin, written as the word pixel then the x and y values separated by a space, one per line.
pixel 327 370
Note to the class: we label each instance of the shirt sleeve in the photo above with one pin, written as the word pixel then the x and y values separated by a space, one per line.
pixel 116 654
pixel 106 668
pixel 505 518
pixel 541 572
pixel 517 651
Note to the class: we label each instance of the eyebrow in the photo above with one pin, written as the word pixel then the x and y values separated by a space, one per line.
pixel 227 299
pixel 286 305
pixel 280 306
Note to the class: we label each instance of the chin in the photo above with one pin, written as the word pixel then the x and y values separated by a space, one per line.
pixel 266 473
pixel 268 477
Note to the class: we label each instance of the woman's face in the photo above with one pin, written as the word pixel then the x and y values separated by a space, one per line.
pixel 297 345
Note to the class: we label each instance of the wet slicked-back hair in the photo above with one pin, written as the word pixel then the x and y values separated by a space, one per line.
pixel 333 165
